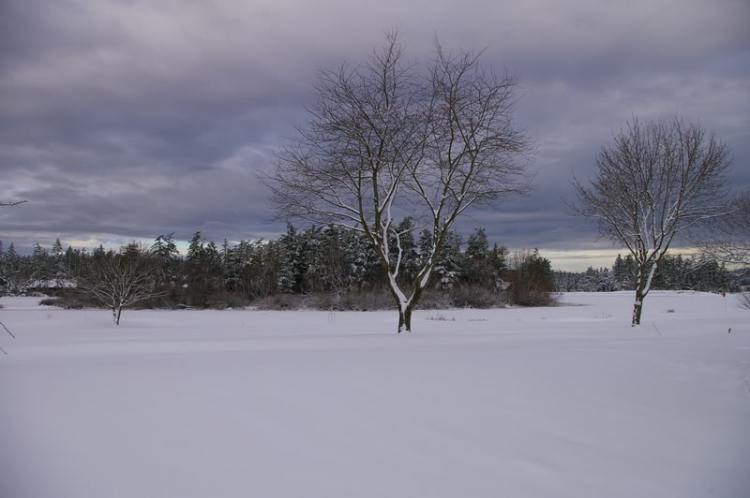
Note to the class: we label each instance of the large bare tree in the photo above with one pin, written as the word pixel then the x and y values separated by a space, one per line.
pixel 388 139
pixel 656 181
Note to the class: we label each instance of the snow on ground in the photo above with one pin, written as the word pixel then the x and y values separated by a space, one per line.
pixel 567 402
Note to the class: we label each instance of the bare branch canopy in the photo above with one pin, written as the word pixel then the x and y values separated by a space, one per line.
pixel 656 181
pixel 387 139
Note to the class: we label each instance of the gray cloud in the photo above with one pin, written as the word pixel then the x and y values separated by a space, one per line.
pixel 125 119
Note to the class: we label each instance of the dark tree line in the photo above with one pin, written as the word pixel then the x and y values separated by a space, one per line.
pixel 320 260
pixel 673 273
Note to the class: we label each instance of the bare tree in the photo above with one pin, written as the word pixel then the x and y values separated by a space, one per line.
pixel 655 182
pixel 120 280
pixel 385 140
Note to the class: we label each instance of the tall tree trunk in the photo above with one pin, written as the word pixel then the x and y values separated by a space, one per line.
pixel 405 309
pixel 642 288
pixel 406 306
pixel 404 318
pixel 638 307
pixel 117 317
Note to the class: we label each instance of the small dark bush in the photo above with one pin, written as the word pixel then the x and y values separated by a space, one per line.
pixel 433 299
pixel 70 301
pixel 224 300
pixel 236 301
pixel 324 301
pixel 280 302
pixel 354 301
pixel 366 301
pixel 472 296
pixel 533 298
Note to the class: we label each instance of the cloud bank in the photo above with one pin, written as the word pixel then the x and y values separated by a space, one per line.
pixel 125 119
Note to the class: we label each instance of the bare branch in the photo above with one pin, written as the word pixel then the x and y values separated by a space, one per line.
pixel 11 203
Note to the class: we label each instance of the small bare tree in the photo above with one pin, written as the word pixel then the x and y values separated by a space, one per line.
pixel 385 140
pixel 655 182
pixel 119 280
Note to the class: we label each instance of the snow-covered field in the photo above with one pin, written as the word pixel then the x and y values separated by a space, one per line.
pixel 566 402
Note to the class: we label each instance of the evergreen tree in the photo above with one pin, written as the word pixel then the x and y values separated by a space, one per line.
pixel 195 248
pixel 498 263
pixel 203 272
pixel 166 261
pixel 531 279
pixel 42 270
pixel 476 267
pixel 291 266
pixel 449 261
pixel 57 248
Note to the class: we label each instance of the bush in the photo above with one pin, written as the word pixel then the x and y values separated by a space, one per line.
pixel 280 302
pixel 474 296
pixel 531 280
pixel 367 301
pixel 524 296
pixel 224 300
pixel 434 299
pixel 70 301
pixel 353 301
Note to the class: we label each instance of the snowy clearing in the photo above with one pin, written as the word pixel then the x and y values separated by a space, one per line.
pixel 568 402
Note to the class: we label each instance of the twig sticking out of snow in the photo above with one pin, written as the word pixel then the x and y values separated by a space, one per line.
pixel 11 334
pixel 8 331
pixel 657 329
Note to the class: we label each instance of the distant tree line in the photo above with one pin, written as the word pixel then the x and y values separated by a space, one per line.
pixel 673 273
pixel 320 266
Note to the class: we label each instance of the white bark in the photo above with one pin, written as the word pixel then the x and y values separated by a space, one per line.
pixel 650 277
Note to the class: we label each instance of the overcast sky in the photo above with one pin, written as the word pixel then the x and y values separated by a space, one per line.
pixel 123 120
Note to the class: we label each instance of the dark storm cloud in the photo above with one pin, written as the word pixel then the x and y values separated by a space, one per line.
pixel 127 119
